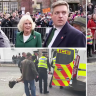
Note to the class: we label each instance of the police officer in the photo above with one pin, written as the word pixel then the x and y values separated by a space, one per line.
pixel 42 66
pixel 53 66
pixel 35 59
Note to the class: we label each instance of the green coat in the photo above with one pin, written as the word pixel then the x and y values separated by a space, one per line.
pixel 33 41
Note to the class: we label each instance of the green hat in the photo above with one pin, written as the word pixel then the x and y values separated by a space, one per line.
pixel 80 21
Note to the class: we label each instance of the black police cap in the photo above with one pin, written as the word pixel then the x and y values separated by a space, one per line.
pixel 35 51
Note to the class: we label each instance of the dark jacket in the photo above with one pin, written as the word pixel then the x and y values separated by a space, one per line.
pixel 33 41
pixel 15 21
pixel 28 70
pixel 6 23
pixel 19 63
pixel 34 58
pixel 68 37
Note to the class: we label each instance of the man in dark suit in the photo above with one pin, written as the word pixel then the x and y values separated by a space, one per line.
pixel 35 59
pixel 65 35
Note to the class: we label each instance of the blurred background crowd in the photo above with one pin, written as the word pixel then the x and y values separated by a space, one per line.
pixel 91 29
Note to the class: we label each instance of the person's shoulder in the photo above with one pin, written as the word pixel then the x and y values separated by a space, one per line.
pixel 25 60
pixel 74 30
pixel 22 61
pixel 18 33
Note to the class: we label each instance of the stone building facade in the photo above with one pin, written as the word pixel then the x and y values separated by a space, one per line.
pixel 26 5
pixel 72 3
pixel 7 6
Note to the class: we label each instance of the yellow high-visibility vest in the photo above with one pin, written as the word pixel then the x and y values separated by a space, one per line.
pixel 54 61
pixel 42 62
pixel 35 59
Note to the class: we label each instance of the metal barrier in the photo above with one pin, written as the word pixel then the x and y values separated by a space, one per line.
pixel 11 32
pixel 94 41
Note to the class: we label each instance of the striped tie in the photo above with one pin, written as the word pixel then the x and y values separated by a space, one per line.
pixel 50 37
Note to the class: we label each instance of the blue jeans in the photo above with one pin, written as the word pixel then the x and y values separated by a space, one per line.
pixel 32 85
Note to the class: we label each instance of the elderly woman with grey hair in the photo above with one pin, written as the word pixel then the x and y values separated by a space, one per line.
pixel 27 37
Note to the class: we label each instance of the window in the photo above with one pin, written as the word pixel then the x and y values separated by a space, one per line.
pixel 6 7
pixel 64 58
pixel 14 6
pixel 0 6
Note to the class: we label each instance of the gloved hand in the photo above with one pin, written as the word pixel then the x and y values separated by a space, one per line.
pixel 37 78
pixel 12 83
pixel 49 72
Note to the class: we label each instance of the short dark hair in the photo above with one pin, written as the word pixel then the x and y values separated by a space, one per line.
pixel 29 54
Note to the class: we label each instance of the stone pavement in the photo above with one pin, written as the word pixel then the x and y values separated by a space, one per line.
pixel 91 59
pixel 18 89
pixel 93 63
pixel 8 65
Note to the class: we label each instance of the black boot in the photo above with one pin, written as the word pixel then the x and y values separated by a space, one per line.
pixel 50 86
pixel 90 55
pixel 46 92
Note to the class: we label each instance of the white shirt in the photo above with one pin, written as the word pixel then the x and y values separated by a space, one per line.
pixel 55 35
pixel 25 38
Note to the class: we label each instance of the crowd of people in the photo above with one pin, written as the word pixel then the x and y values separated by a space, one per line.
pixel 16 59
pixel 91 29
pixel 40 20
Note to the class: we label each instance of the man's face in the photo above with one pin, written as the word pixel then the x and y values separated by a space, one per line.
pixel 60 15
pixel 24 54
pixel 36 54
pixel 14 14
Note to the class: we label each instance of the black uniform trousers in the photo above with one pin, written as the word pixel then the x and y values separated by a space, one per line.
pixel 43 77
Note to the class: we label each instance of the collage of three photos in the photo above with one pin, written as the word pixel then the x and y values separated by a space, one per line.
pixel 47 47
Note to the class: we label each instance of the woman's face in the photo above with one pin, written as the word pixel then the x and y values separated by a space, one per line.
pixel 27 26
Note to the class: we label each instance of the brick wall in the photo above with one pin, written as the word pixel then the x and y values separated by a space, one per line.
pixel 45 4
pixel 27 4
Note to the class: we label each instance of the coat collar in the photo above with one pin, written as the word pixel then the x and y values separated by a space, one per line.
pixel 30 38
